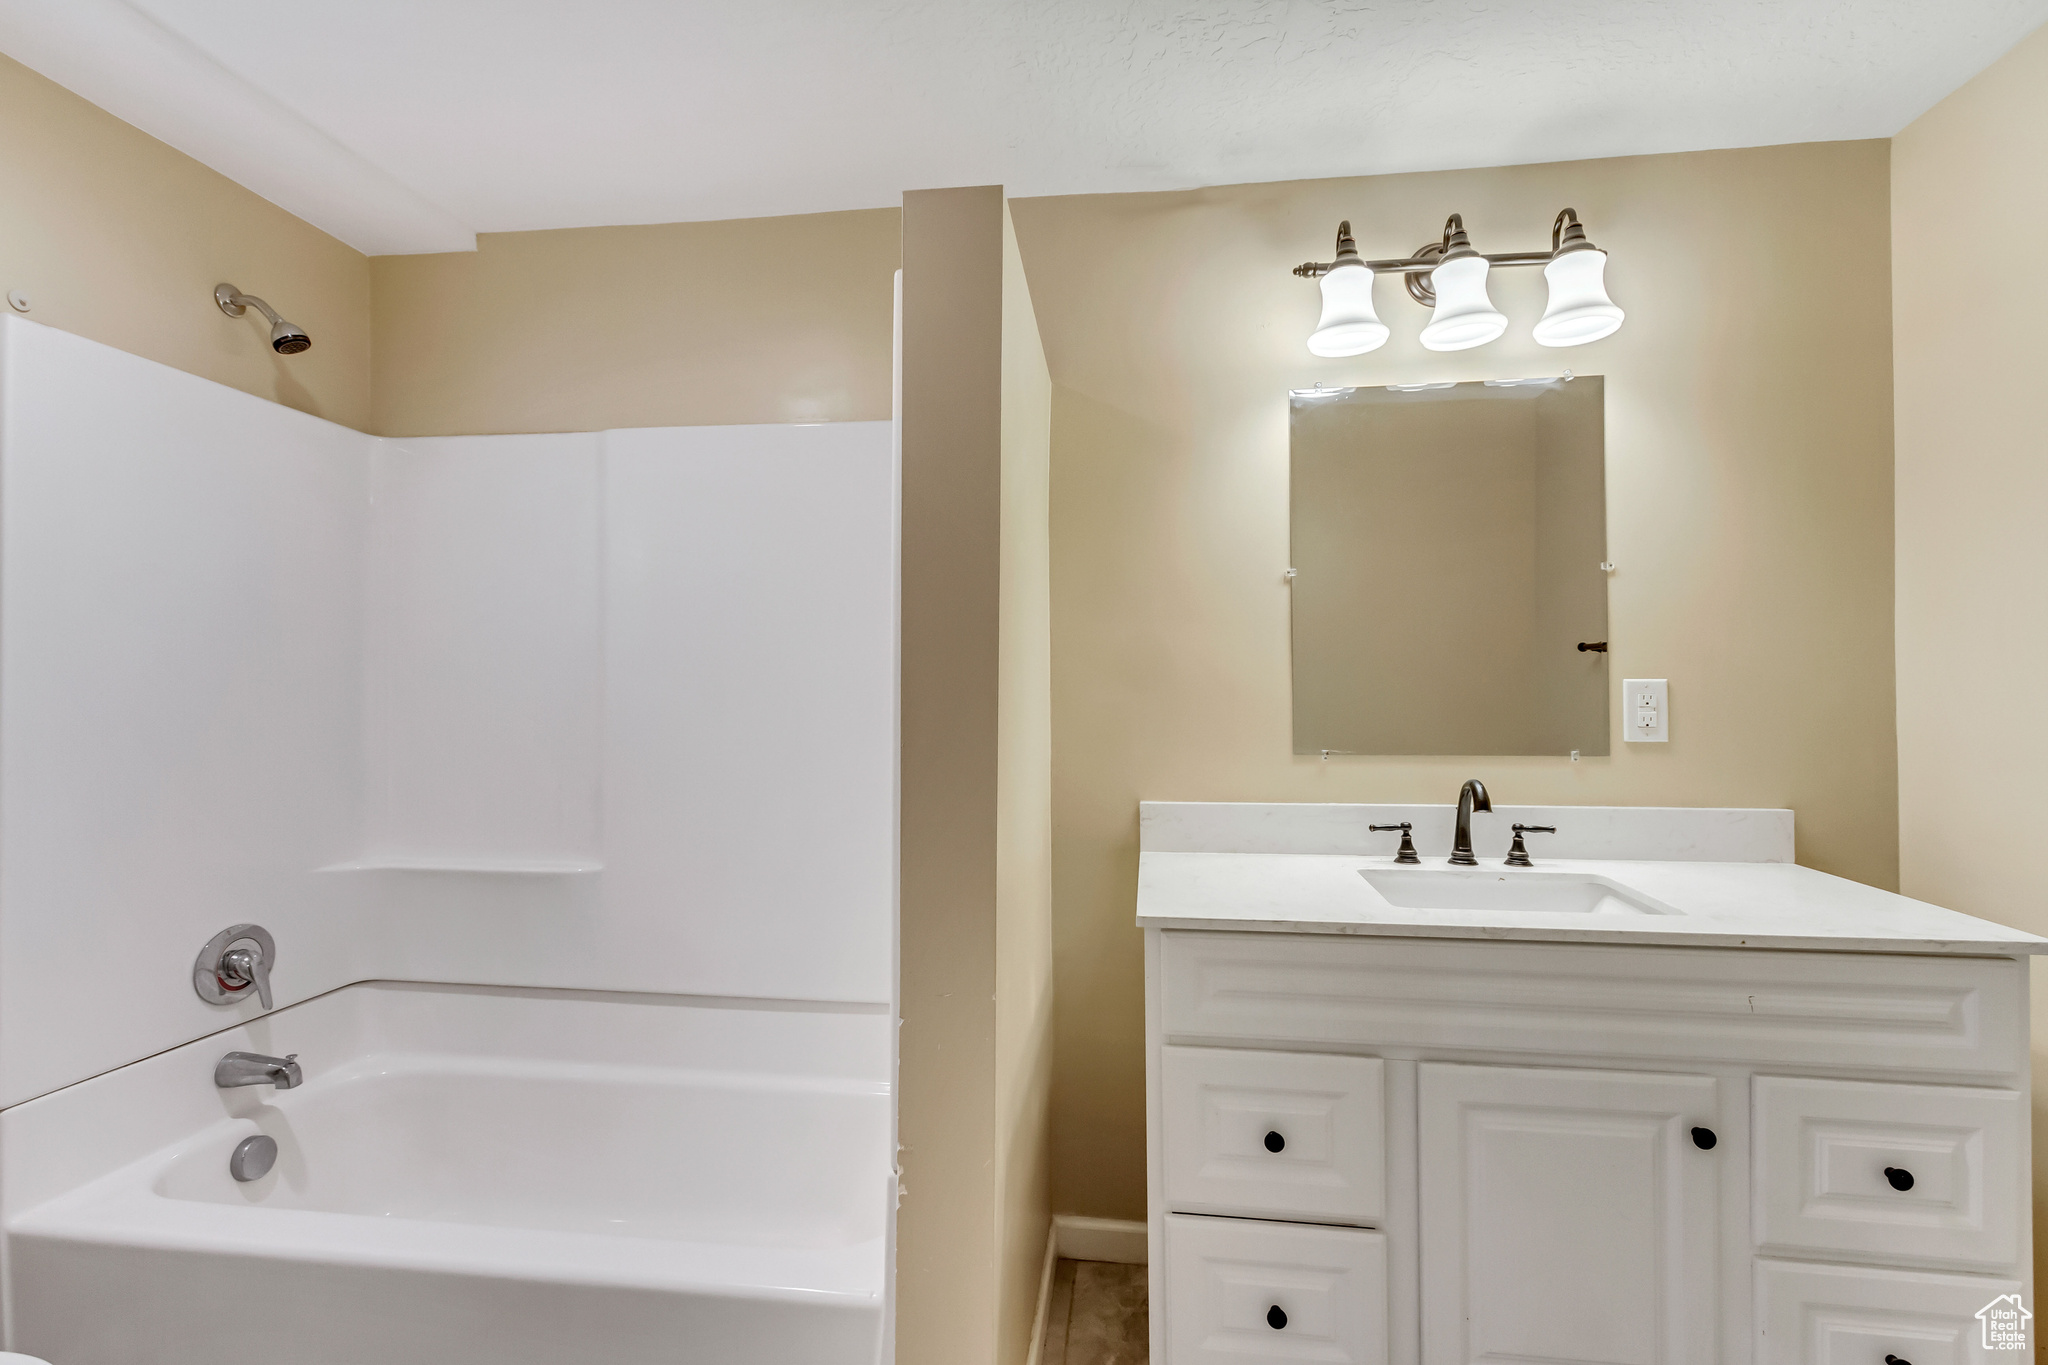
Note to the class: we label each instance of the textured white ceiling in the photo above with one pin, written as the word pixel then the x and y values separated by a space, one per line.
pixel 406 124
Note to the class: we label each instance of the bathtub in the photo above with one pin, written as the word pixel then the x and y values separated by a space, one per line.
pixel 468 1176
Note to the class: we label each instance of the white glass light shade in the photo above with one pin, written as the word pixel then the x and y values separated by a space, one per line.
pixel 1348 325
pixel 1579 310
pixel 1464 316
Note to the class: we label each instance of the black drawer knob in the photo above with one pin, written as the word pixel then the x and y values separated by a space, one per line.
pixel 1704 1139
pixel 1275 1319
pixel 1902 1180
pixel 1894 1360
pixel 1274 1142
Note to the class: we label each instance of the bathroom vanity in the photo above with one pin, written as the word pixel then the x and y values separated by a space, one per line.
pixel 1662 1097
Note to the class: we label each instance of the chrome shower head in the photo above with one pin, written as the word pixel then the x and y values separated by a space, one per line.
pixel 285 338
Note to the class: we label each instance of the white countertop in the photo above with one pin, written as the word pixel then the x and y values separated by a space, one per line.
pixel 1718 904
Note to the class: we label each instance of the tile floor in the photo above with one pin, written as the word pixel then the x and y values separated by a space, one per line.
pixel 1096 1315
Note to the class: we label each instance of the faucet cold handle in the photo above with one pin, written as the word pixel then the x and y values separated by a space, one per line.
pixel 1407 853
pixel 1518 852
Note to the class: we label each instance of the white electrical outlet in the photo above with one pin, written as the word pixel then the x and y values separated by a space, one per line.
pixel 1646 710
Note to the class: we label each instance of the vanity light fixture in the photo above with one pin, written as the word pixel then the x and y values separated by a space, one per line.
pixel 1348 325
pixel 1449 278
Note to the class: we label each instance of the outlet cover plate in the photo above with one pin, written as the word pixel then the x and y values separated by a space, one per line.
pixel 1645 710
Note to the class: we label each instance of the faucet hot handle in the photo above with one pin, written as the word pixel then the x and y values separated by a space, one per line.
pixel 1406 853
pixel 1518 852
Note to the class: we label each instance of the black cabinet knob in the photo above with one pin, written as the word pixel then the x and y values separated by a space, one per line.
pixel 1274 1142
pixel 1902 1180
pixel 1704 1139
pixel 1275 1319
pixel 1894 1360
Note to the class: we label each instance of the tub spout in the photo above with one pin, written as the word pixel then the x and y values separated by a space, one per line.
pixel 253 1068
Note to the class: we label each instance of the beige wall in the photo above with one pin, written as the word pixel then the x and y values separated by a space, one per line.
pixel 952 507
pixel 1024 980
pixel 976 936
pixel 679 324
pixel 118 237
pixel 1749 505
pixel 1972 174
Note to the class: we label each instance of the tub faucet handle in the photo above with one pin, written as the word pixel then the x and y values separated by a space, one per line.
pixel 245 967
pixel 234 962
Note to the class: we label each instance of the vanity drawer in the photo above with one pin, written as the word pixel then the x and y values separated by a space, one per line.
pixel 1237 1291
pixel 1957 1016
pixel 1829 1155
pixel 1857 1315
pixel 1274 1134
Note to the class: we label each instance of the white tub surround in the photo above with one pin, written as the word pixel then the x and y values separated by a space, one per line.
pixel 498 709
pixel 469 1174
pixel 1703 1103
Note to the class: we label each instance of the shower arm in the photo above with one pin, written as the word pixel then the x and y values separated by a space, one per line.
pixel 233 301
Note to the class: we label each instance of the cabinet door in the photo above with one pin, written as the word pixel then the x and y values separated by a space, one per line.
pixel 1568 1216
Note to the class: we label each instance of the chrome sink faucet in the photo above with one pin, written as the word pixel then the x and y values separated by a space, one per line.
pixel 1471 797
pixel 253 1068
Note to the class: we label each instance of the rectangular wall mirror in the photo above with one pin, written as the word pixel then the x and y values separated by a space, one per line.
pixel 1448 590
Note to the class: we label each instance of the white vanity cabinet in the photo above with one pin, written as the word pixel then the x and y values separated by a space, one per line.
pixel 1440 1151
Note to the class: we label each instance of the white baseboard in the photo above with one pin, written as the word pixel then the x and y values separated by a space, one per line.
pixel 1052 1256
pixel 1099 1239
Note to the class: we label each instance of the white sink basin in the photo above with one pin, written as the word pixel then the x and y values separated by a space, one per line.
pixel 1485 889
